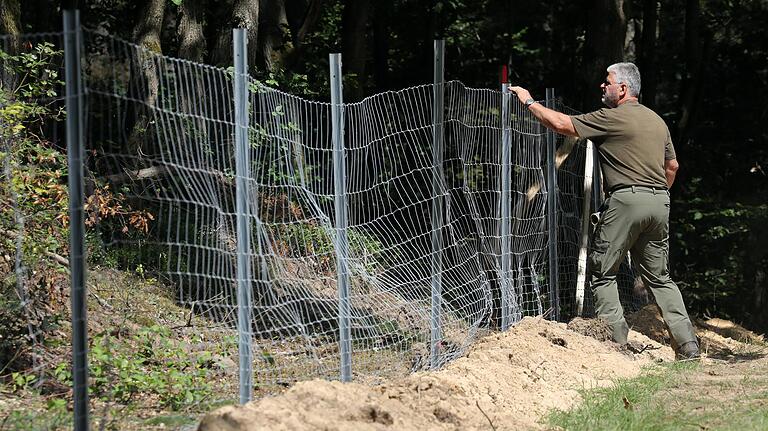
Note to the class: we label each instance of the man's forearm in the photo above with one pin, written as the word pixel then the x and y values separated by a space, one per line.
pixel 553 120
pixel 670 171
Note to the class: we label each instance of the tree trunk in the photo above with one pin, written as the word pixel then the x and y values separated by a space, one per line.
pixel 302 18
pixel 190 32
pixel 354 22
pixel 145 80
pixel 244 14
pixel 647 54
pixel 192 47
pixel 10 17
pixel 603 46
pixel 272 28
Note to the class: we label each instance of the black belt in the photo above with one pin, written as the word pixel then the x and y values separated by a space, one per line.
pixel 636 187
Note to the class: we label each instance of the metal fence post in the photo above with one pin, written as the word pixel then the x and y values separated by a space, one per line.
pixel 506 186
pixel 77 258
pixel 437 202
pixel 243 175
pixel 340 204
pixel 552 191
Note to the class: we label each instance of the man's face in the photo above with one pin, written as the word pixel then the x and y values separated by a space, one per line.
pixel 611 91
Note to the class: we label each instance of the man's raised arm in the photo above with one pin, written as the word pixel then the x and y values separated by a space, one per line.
pixel 550 118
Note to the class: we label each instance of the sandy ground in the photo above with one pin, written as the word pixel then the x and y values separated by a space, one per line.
pixel 506 381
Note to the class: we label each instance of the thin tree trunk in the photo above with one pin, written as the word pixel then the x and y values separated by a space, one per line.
pixel 190 32
pixel 647 55
pixel 192 47
pixel 272 28
pixel 603 46
pixel 310 13
pixel 10 17
pixel 354 23
pixel 145 83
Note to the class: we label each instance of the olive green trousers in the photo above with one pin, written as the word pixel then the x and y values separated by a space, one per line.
pixel 636 219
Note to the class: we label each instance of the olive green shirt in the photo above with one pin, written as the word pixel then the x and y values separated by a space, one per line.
pixel 633 143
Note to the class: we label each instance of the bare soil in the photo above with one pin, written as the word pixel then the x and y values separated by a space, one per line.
pixel 511 380
pixel 506 381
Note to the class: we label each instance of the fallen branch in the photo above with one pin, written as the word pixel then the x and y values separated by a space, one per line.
pixel 56 257
pixel 134 175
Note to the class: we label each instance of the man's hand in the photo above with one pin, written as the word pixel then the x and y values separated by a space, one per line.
pixel 521 93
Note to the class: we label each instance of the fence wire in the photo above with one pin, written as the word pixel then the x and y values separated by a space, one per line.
pixel 161 220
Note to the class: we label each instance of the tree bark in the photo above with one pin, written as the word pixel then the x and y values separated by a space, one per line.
pixel 145 80
pixel 192 47
pixel 647 54
pixel 10 17
pixel 603 46
pixel 190 31
pixel 302 17
pixel 354 23
pixel 243 14
pixel 272 29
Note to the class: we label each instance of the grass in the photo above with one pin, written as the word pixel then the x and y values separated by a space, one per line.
pixel 678 396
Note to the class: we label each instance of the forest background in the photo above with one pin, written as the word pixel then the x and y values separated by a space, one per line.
pixel 704 66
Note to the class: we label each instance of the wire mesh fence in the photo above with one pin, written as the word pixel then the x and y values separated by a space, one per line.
pixel 170 201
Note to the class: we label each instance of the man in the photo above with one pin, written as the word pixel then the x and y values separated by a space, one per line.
pixel 639 165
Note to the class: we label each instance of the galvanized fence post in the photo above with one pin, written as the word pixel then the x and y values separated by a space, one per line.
pixel 437 201
pixel 552 191
pixel 243 175
pixel 77 258
pixel 506 186
pixel 340 203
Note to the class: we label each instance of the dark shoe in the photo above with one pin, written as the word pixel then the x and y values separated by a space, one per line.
pixel 688 351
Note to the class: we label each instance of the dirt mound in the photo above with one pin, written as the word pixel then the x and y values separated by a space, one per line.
pixel 648 322
pixel 595 328
pixel 506 381
pixel 731 330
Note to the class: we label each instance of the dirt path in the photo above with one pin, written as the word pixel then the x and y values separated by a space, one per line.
pixel 506 381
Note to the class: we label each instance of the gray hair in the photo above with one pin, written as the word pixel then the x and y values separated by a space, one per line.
pixel 629 74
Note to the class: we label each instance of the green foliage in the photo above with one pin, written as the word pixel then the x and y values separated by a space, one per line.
pixel 313 240
pixel 33 201
pixel 733 238
pixel 151 363
pixel 55 416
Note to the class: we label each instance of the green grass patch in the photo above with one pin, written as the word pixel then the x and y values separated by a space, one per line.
pixel 679 396
pixel 630 404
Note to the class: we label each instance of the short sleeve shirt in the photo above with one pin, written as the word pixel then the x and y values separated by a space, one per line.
pixel 633 143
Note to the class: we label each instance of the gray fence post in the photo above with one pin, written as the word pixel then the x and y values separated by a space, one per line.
pixel 77 261
pixel 243 175
pixel 506 185
pixel 437 202
pixel 552 191
pixel 340 203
